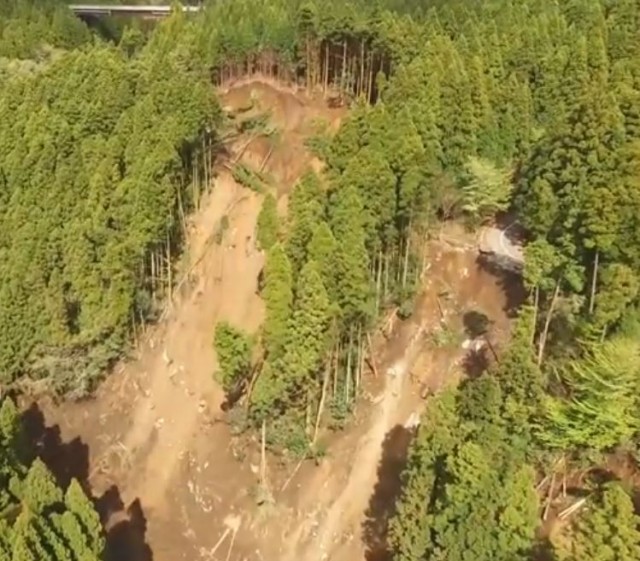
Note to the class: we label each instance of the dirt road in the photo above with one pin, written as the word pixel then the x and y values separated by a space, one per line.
pixel 496 240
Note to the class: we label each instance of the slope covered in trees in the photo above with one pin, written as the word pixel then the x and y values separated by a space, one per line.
pixel 27 27
pixel 460 110
pixel 41 521
pixel 98 154
pixel 478 112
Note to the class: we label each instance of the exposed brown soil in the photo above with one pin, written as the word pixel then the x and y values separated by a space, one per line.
pixel 171 478
pixel 455 284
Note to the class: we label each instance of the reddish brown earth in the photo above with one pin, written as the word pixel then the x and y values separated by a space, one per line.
pixel 172 481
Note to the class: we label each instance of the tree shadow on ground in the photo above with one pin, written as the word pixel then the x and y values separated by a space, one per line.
pixel 382 505
pixel 476 362
pixel 234 396
pixel 476 324
pixel 125 536
pixel 543 551
pixel 66 460
pixel 508 278
pixel 513 230
pixel 125 539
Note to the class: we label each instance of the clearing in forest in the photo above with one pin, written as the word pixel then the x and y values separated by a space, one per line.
pixel 158 450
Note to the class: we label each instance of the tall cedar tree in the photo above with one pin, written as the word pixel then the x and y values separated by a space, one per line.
pixel 41 521
pixel 278 297
pixel 268 224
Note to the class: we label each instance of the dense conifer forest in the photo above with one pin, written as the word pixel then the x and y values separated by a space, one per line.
pixel 39 519
pixel 459 110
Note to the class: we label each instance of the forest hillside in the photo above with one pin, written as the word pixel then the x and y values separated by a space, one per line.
pixel 288 172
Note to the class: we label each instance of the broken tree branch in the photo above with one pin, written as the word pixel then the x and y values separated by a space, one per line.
pixel 293 474
pixel 573 508
pixel 370 360
pixel 549 496
pixel 263 456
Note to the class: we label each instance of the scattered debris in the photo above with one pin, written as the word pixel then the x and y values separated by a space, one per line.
pixel 474 344
pixel 573 508
pixel 413 421
pixel 165 356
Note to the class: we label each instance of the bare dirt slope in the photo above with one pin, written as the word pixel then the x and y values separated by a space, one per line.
pixel 154 428
pixel 347 517
pixel 183 361
pixel 155 446
pixel 351 503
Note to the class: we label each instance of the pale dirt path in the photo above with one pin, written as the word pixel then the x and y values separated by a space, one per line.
pixel 182 383
pixel 492 239
pixel 350 505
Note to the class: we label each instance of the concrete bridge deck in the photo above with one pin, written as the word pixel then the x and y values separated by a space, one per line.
pixel 132 10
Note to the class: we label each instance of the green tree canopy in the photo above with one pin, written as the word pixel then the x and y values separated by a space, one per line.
pixel 488 189
pixel 234 349
pixel 605 531
pixel 40 520
pixel 278 297
pixel 461 484
pixel 268 223
pixel 599 413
